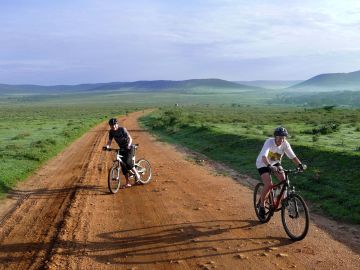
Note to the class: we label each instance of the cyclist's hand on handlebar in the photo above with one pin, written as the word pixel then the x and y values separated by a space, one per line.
pixel 302 167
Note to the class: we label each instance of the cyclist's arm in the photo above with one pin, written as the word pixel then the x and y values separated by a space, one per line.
pixel 265 160
pixel 296 161
pixel 264 152
pixel 291 155
pixel 130 138
pixel 108 144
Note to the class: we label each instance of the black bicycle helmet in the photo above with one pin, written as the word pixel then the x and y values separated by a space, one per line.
pixel 281 131
pixel 113 121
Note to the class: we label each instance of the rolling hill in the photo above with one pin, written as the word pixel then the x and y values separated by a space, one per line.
pixel 140 86
pixel 330 82
pixel 270 84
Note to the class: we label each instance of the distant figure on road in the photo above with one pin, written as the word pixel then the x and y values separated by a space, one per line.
pixel 124 141
pixel 269 161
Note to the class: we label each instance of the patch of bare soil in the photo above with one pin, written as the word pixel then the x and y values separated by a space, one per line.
pixel 188 217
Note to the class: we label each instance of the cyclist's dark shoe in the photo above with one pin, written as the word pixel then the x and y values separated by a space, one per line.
pixel 262 212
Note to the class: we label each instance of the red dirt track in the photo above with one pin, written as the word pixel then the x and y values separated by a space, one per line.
pixel 188 217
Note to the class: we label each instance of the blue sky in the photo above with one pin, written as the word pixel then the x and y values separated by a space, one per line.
pixel 85 41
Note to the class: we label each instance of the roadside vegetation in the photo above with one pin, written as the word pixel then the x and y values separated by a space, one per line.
pixel 31 133
pixel 35 127
pixel 316 99
pixel 326 139
pixel 226 126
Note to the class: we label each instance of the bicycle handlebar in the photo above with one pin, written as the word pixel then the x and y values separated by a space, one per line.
pixel 293 171
pixel 136 145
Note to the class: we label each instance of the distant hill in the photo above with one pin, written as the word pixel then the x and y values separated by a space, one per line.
pixel 331 82
pixel 161 85
pixel 271 84
pixel 155 86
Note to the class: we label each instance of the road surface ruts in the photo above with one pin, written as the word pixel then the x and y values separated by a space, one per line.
pixel 188 217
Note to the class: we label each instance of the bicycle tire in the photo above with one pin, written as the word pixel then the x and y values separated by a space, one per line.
pixel 114 178
pixel 268 208
pixel 295 217
pixel 144 168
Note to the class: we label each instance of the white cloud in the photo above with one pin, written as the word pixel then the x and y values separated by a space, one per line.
pixel 168 39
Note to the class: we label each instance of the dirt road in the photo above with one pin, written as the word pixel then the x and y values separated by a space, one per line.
pixel 188 217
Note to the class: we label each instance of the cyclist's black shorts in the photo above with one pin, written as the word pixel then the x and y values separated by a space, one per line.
pixel 263 170
pixel 128 158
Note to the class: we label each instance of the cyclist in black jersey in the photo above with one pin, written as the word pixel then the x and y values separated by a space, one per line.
pixel 124 141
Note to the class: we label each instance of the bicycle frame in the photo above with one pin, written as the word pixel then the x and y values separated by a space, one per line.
pixel 119 157
pixel 294 211
pixel 285 185
pixel 275 201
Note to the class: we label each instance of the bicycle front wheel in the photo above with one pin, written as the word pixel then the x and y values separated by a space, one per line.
pixel 144 169
pixel 295 217
pixel 268 208
pixel 114 178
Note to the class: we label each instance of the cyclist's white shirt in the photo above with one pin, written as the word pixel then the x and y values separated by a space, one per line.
pixel 274 153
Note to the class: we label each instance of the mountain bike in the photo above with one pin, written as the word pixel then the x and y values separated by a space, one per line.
pixel 294 211
pixel 114 177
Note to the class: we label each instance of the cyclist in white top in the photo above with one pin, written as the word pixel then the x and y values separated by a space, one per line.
pixel 269 161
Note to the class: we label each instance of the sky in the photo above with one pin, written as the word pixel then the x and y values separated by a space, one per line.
pixel 51 42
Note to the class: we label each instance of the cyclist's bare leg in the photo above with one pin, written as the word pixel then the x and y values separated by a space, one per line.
pixel 265 177
pixel 127 179
pixel 280 176
pixel 136 173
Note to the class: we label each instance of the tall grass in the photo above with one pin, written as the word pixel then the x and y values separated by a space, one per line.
pixel 31 134
pixel 235 136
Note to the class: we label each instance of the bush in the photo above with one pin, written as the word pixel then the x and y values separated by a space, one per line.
pixel 323 129
pixel 42 144
pixel 21 136
pixel 315 138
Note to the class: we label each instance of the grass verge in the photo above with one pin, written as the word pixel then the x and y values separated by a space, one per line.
pixel 331 182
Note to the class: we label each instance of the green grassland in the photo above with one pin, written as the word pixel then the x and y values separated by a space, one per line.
pixel 33 132
pixel 227 126
pixel 327 139
pixel 34 128
pixel 316 99
pixel 147 99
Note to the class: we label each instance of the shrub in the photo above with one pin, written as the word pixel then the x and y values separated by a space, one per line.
pixel 43 143
pixel 329 108
pixel 21 136
pixel 323 129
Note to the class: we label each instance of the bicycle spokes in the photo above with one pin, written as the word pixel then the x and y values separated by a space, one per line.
pixel 114 179
pixel 268 206
pixel 295 217
pixel 293 209
pixel 144 169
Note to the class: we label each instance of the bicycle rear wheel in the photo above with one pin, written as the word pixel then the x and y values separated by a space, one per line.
pixel 144 169
pixel 114 178
pixel 268 207
pixel 295 217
